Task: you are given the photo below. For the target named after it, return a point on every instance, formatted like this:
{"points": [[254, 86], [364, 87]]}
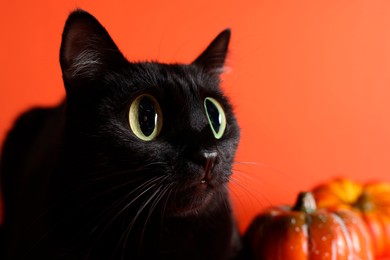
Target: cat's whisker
{"points": [[127, 232], [114, 188], [158, 199], [74, 192], [265, 165], [107, 212], [102, 219], [104, 176], [250, 163], [247, 176], [225, 199], [153, 206], [71, 195], [139, 211], [75, 210], [237, 181], [250, 193], [151, 183], [166, 202], [238, 199], [103, 173], [253, 178], [234, 193]]}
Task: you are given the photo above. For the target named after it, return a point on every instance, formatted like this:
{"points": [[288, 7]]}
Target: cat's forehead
{"points": [[175, 81]]}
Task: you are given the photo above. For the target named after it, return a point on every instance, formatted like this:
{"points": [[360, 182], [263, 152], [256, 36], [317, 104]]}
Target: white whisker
{"points": [[148, 185], [250, 193], [125, 235]]}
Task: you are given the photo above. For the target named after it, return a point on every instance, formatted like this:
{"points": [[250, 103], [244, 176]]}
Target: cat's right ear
{"points": [[213, 58], [86, 49]]}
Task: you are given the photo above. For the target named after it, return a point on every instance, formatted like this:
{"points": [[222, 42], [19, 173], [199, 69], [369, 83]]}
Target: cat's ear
{"points": [[86, 48], [213, 58]]}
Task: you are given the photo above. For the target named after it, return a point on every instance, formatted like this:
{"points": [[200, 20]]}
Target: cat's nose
{"points": [[207, 160]]}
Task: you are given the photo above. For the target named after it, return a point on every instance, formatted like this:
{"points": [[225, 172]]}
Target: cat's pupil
{"points": [[214, 115], [147, 116]]}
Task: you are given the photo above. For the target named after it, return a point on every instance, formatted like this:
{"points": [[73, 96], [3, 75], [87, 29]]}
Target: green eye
{"points": [[145, 117], [216, 116]]}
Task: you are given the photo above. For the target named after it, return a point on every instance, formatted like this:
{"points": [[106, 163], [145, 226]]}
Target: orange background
{"points": [[310, 79]]}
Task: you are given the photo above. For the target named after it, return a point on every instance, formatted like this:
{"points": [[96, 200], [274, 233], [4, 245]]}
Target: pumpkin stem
{"points": [[305, 203], [364, 202]]}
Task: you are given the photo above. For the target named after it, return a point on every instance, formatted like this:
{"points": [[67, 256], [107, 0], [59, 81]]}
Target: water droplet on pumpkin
{"points": [[322, 218], [297, 229], [293, 221], [317, 252], [323, 238]]}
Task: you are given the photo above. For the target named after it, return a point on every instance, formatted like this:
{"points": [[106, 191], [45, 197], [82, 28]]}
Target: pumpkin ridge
{"points": [[346, 233]]}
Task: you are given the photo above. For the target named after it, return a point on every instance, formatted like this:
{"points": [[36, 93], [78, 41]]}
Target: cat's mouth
{"points": [[195, 198], [194, 195]]}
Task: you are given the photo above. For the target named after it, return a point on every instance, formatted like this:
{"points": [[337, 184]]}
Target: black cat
{"points": [[134, 164]]}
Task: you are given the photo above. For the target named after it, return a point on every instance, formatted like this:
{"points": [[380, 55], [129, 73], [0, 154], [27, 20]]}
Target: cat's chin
{"points": [[195, 199]]}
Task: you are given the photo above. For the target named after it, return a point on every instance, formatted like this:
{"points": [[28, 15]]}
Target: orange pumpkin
{"points": [[371, 200], [303, 232]]}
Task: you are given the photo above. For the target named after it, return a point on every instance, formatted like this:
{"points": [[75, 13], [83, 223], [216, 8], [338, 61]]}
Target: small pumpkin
{"points": [[371, 201], [303, 232]]}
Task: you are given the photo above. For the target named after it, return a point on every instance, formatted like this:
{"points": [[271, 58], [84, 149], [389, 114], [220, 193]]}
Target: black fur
{"points": [[78, 184]]}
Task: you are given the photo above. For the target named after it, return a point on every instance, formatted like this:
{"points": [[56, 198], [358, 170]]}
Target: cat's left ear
{"points": [[87, 49], [213, 58]]}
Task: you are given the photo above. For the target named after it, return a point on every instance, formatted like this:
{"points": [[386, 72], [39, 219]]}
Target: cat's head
{"points": [[164, 131]]}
